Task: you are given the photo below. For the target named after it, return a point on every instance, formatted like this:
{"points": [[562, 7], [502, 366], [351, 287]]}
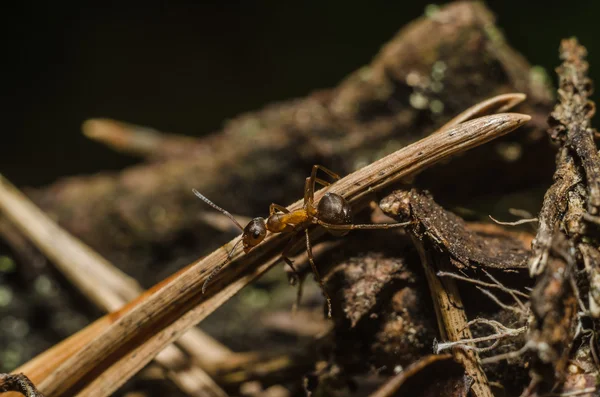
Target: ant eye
{"points": [[256, 234]]}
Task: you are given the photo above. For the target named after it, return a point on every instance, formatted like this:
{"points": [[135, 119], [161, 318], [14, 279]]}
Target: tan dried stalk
{"points": [[451, 316]]}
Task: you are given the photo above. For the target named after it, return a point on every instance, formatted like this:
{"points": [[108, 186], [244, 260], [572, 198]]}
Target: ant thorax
{"points": [[276, 223]]}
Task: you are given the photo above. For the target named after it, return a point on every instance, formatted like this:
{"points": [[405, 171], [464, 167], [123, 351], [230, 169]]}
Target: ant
{"points": [[333, 212]]}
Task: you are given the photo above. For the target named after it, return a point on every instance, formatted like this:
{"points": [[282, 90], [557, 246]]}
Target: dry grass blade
{"points": [[177, 306], [204, 349], [497, 104], [135, 360]]}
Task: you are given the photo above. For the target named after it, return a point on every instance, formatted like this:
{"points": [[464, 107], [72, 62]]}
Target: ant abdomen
{"points": [[334, 209]]}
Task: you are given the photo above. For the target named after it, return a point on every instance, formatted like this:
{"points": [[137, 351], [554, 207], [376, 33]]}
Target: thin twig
{"points": [[391, 387], [179, 305], [510, 291], [463, 343], [515, 223], [482, 283], [588, 390], [500, 303], [506, 356]]}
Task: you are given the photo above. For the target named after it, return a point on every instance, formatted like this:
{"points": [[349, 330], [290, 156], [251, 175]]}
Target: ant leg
{"points": [[290, 263], [316, 272], [298, 296], [273, 208], [297, 277], [285, 254], [317, 167], [322, 182], [310, 189], [309, 193], [369, 226]]}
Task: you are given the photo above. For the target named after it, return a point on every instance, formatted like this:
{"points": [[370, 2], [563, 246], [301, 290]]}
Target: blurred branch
{"points": [[140, 141], [107, 287]]}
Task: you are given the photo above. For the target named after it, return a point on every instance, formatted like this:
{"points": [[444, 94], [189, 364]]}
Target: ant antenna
{"points": [[227, 214], [233, 249], [218, 268], [221, 210]]}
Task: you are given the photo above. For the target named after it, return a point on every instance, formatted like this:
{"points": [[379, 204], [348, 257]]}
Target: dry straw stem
{"points": [[107, 287], [451, 316], [497, 104], [176, 307]]}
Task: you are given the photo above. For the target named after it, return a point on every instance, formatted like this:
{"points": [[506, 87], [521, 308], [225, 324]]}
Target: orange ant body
{"points": [[332, 212]]}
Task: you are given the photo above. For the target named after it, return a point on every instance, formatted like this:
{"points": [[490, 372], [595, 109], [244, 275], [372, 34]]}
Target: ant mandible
{"points": [[333, 212]]}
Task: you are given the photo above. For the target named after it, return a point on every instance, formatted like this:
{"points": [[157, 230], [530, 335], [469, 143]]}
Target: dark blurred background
{"points": [[185, 68]]}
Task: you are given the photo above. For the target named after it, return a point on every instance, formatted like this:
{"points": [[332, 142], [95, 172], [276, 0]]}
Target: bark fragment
{"points": [[18, 383], [566, 241], [577, 162], [554, 309], [450, 233]]}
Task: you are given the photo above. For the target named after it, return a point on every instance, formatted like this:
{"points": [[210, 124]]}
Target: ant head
{"points": [[254, 233], [333, 208]]}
